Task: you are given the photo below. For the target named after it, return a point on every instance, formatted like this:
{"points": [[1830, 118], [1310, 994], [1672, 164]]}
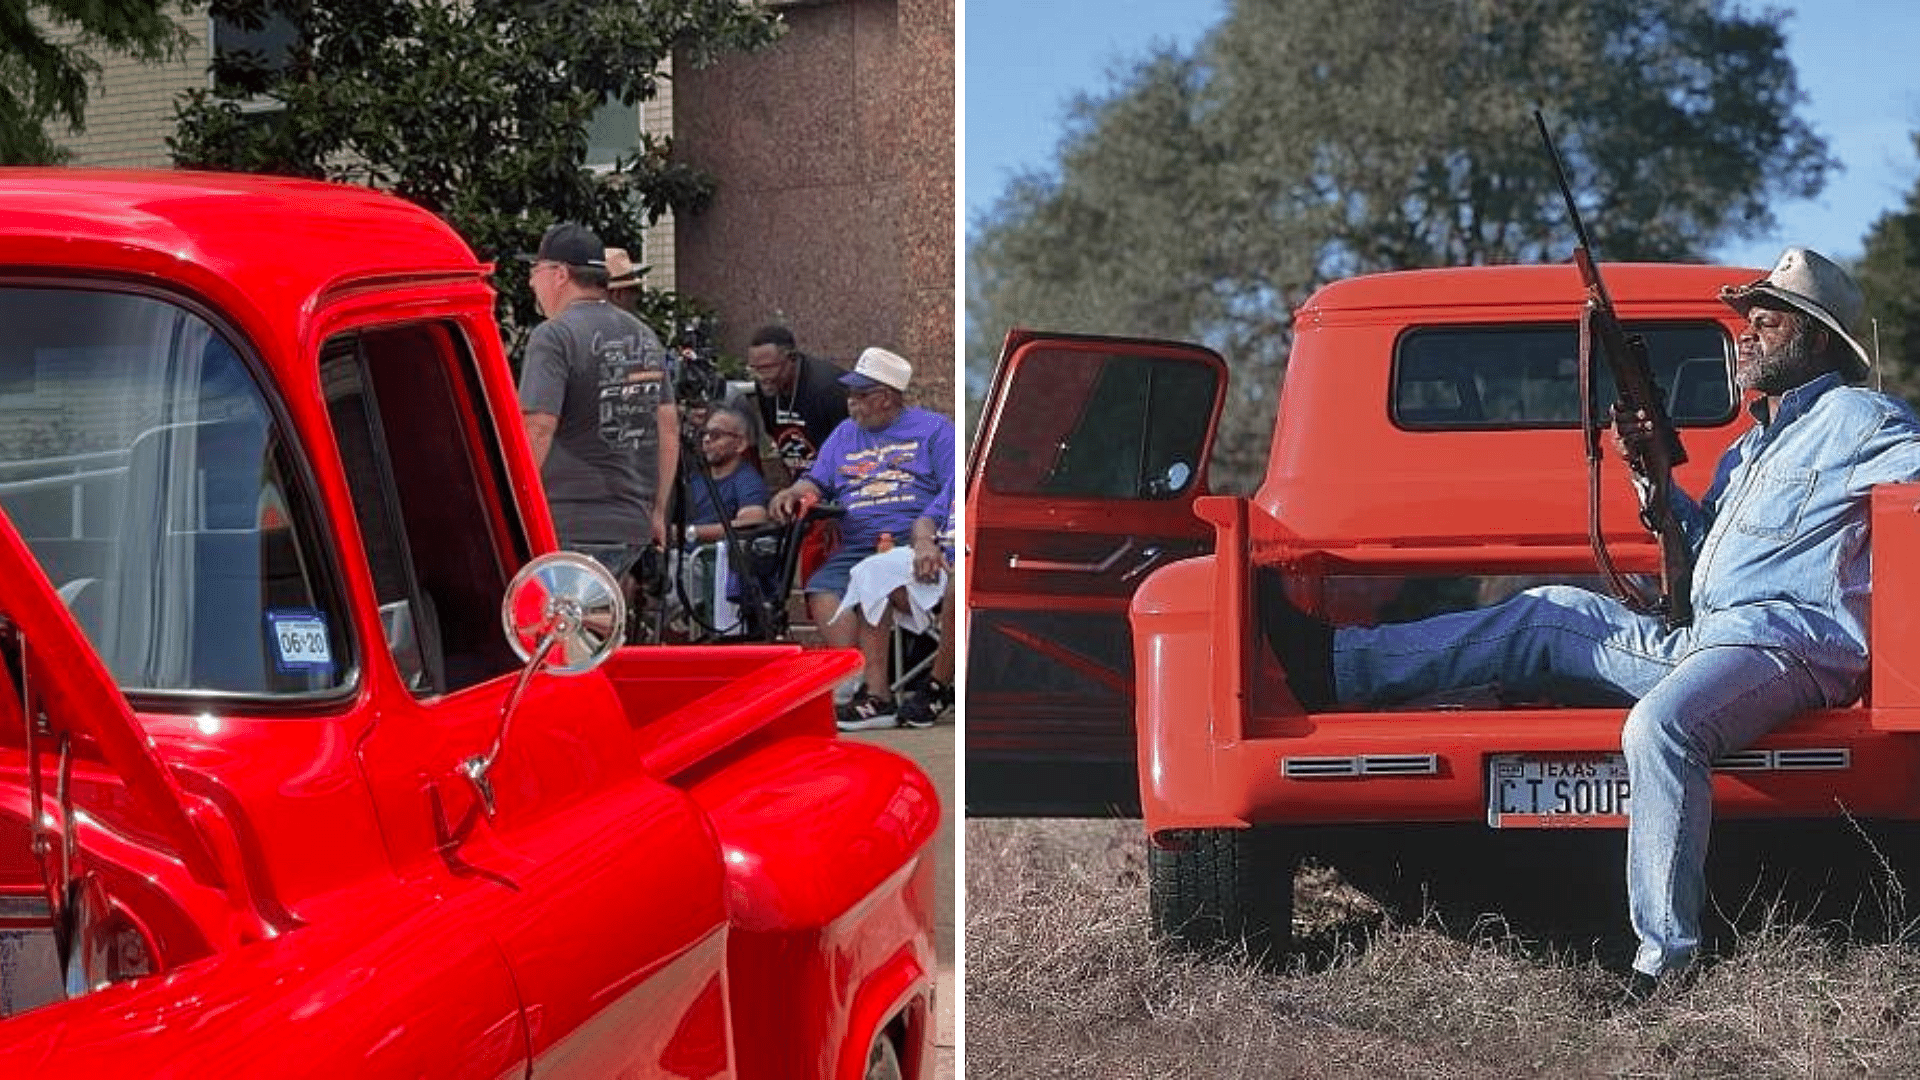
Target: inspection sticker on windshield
{"points": [[1557, 791], [299, 639]]}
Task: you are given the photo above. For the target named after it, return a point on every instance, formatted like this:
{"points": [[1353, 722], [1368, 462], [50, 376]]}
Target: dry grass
{"points": [[1063, 982]]}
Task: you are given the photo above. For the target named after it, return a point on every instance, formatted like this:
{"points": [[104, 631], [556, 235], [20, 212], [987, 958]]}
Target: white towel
{"points": [[873, 580]]}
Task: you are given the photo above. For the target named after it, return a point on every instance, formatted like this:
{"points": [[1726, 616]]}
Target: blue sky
{"points": [[1025, 59]]}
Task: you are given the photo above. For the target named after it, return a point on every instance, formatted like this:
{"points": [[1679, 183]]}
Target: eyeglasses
{"points": [[717, 433]]}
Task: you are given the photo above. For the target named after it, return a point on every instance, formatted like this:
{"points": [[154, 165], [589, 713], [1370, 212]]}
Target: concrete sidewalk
{"points": [[932, 749]]}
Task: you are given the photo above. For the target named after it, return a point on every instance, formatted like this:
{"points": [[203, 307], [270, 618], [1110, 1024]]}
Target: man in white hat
{"points": [[1780, 590], [885, 464]]}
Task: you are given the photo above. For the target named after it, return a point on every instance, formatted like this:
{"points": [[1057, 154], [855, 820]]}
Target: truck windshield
{"points": [[139, 460]]}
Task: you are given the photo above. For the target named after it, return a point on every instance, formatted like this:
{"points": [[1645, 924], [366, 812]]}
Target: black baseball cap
{"points": [[572, 244]]}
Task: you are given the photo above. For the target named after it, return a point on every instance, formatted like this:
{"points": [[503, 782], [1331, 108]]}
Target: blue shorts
{"points": [[833, 574]]}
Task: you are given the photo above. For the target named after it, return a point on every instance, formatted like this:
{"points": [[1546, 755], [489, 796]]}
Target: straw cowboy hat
{"points": [[621, 273], [1812, 283]]}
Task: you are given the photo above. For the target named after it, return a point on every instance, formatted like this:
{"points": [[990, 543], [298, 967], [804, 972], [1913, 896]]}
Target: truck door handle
{"points": [[1149, 558], [1018, 562]]}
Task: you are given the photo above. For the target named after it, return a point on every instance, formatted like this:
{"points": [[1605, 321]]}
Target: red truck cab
{"points": [[1427, 455], [293, 780]]}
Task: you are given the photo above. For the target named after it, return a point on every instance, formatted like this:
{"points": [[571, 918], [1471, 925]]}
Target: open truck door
{"points": [[1089, 456]]}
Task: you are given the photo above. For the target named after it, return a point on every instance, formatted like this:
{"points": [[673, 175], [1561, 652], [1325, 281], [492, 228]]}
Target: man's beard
{"points": [[1783, 369]]}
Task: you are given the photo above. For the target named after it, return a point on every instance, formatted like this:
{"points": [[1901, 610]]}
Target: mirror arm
{"points": [[476, 768], [581, 614], [63, 794], [39, 840]]}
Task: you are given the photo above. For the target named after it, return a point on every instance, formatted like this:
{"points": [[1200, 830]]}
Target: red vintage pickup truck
{"points": [[1427, 455], [313, 764]]}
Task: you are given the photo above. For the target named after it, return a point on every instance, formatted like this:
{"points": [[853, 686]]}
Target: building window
{"points": [[246, 59], [614, 132]]}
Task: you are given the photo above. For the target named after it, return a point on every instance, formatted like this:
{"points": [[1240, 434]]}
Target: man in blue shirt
{"points": [[885, 464], [1780, 587], [723, 491], [740, 492]]}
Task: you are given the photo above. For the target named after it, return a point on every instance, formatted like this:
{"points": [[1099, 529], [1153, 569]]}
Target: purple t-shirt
{"points": [[885, 478], [940, 508]]}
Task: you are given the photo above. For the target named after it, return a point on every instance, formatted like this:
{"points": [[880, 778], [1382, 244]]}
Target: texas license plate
{"points": [[1557, 791]]}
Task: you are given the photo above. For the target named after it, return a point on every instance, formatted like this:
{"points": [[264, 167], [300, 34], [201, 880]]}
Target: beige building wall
{"points": [[130, 106], [657, 247], [835, 209]]}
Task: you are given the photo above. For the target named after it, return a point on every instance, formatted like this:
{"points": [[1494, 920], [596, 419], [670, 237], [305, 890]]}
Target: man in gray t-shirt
{"points": [[596, 398]]}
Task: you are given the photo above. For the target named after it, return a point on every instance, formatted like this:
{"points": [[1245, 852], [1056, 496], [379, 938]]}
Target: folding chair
{"points": [[761, 564], [912, 656]]}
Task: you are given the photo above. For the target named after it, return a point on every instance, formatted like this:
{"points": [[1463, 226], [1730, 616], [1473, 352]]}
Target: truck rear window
{"points": [[140, 461], [1528, 376]]}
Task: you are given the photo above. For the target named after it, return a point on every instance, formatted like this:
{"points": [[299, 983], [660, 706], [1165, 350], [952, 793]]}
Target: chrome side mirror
{"points": [[1169, 483], [563, 612], [571, 599]]}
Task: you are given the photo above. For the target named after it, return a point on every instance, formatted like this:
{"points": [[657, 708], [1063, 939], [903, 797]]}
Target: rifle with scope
{"points": [[1652, 460]]}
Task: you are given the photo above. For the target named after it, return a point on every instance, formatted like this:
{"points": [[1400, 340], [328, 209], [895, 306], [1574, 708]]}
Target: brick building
{"points": [[835, 156]]}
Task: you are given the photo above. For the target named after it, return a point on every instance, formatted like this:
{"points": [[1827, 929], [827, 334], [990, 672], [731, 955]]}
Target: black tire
{"points": [[1210, 890], [883, 1062]]}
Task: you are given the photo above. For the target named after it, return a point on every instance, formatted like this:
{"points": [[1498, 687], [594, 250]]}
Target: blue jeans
{"points": [[617, 558], [1694, 705]]}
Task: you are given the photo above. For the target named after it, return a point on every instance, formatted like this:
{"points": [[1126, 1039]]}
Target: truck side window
{"points": [[425, 475], [1080, 424], [144, 466], [1528, 377]]}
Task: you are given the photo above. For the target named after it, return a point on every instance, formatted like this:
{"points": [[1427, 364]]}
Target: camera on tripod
{"points": [[697, 380]]}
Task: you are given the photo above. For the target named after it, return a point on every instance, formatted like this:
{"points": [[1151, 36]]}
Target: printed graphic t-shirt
{"points": [[603, 373], [885, 478], [799, 423]]}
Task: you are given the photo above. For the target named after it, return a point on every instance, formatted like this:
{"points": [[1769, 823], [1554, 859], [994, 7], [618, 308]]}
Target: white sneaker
{"points": [[848, 689]]}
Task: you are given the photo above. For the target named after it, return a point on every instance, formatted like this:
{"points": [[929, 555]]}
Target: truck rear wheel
{"points": [[1212, 889]]}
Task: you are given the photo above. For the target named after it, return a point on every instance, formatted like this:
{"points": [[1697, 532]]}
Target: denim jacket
{"points": [[1780, 539]]}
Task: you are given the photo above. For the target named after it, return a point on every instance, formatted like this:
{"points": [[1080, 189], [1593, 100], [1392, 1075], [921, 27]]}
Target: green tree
{"points": [[47, 59], [478, 111], [1209, 193], [1889, 272]]}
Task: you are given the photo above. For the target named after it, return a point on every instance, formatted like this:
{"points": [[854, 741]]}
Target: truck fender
{"points": [[1175, 711]]}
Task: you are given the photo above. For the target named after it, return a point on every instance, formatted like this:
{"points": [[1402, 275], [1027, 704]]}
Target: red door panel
{"points": [[1090, 455]]}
